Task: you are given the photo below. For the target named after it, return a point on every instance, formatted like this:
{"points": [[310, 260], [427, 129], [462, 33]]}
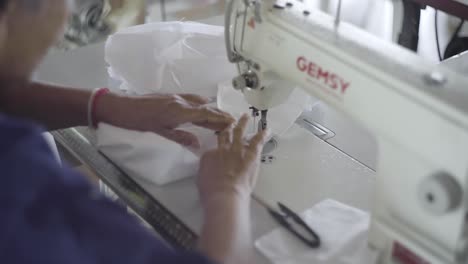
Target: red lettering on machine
{"points": [[326, 77]]}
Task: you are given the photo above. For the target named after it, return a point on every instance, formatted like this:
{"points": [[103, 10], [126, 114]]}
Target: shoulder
{"points": [[27, 164], [17, 134], [23, 149], [49, 207]]}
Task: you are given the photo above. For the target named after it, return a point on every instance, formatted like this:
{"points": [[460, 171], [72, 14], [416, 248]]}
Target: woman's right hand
{"points": [[231, 170], [226, 180]]}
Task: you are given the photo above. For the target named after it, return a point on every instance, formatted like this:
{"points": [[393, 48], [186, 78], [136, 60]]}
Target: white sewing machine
{"points": [[418, 112]]}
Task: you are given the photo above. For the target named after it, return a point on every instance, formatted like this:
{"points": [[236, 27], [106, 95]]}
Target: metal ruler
{"points": [[78, 142]]}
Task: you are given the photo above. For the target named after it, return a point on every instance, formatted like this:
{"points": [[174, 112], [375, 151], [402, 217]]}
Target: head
{"points": [[27, 29]]}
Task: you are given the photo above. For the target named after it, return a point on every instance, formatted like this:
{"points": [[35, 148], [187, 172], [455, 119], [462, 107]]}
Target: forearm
{"points": [[226, 233], [53, 106]]}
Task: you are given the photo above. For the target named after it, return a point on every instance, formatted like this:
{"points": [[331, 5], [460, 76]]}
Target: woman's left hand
{"points": [[162, 114]]}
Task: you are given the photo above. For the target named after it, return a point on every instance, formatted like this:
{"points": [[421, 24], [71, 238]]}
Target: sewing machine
{"points": [[418, 112]]}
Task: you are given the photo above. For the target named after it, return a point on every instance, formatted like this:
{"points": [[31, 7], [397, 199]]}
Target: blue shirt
{"points": [[51, 215]]}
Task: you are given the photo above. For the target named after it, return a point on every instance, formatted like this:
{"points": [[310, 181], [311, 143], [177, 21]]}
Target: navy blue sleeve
{"points": [[51, 215]]}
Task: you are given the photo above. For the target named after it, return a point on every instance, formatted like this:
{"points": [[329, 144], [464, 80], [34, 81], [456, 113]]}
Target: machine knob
{"points": [[239, 83], [246, 80], [440, 193]]}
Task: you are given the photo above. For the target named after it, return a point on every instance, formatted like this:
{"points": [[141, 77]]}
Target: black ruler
{"points": [[78, 142]]}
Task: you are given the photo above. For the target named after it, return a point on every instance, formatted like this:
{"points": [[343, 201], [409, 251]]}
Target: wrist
{"points": [[226, 200], [107, 108]]}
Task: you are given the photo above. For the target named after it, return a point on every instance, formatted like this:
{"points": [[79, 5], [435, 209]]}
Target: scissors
{"points": [[284, 217]]}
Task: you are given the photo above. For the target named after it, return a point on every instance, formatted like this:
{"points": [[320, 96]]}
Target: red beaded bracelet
{"points": [[92, 103]]}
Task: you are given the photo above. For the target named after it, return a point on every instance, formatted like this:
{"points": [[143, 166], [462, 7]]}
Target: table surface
{"points": [[307, 169]]}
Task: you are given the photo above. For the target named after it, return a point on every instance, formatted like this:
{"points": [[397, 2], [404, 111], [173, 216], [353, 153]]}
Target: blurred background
{"points": [[92, 20]]}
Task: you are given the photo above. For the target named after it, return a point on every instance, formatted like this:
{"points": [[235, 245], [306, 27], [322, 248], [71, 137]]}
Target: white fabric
{"points": [[146, 155], [172, 57], [343, 232], [169, 57]]}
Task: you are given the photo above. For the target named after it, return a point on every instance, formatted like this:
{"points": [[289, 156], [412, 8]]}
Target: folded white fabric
{"points": [[343, 232], [137, 155]]}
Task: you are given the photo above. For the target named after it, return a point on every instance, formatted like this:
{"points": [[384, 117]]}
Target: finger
{"points": [[239, 130], [229, 119], [182, 137], [209, 118], [196, 99], [257, 142], [218, 112], [224, 138]]}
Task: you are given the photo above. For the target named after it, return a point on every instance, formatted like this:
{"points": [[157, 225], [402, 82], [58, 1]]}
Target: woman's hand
{"points": [[232, 168], [226, 180], [162, 114]]}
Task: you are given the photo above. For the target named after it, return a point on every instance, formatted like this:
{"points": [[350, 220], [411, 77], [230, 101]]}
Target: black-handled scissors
{"points": [[286, 214]]}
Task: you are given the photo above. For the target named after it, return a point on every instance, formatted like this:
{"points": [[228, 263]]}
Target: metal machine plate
{"points": [[78, 142]]}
